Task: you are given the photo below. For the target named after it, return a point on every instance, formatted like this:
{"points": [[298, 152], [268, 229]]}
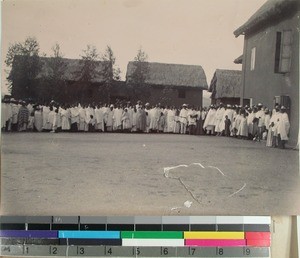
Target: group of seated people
{"points": [[254, 123]]}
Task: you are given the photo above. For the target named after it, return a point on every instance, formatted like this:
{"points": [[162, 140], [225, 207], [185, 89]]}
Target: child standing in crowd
{"points": [[227, 126], [161, 123], [91, 124]]}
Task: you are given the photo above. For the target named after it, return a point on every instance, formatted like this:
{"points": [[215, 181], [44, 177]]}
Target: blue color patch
{"points": [[89, 234]]}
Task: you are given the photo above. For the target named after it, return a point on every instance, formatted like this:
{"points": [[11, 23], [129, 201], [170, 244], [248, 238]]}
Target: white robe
{"points": [[283, 126], [218, 120], [210, 118], [171, 120], [99, 116]]}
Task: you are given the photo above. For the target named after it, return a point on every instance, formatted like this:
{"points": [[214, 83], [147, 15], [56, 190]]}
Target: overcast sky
{"points": [[197, 32]]}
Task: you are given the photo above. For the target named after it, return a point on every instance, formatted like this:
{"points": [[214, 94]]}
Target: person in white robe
{"points": [[183, 117], [51, 117], [154, 116], [272, 140], [125, 121], [243, 128], [117, 126], [251, 116], [74, 111], [219, 120], [171, 120], [99, 116], [110, 119], [45, 112], [209, 123], [15, 111], [82, 115], [65, 119], [283, 128], [134, 120], [260, 115], [38, 119]]}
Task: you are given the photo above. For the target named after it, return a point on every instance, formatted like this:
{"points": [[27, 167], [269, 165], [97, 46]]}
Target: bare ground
{"points": [[123, 174]]}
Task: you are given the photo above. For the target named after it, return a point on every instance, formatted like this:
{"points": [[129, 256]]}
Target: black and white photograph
{"points": [[140, 107]]}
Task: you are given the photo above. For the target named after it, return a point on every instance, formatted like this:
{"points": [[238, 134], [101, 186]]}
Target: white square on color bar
{"points": [[257, 220], [230, 220]]}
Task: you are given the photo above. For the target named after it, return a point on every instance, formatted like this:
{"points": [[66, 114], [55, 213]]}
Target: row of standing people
{"points": [[20, 116], [254, 123]]}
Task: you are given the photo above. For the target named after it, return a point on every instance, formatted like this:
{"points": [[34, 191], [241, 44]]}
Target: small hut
{"points": [[225, 87], [170, 84]]}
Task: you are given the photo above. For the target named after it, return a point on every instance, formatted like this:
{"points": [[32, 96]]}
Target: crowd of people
{"points": [[253, 123]]}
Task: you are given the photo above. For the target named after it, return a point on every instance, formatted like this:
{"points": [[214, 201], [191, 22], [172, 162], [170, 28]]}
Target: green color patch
{"points": [[153, 234]]}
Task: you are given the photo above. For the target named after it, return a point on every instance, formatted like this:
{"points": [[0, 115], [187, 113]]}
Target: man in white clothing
{"points": [[183, 115], [283, 128]]}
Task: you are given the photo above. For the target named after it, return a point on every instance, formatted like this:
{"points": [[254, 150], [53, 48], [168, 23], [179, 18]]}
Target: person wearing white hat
{"points": [[283, 128], [183, 115], [260, 115]]}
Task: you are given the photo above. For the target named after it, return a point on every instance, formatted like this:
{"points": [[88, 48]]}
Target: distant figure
{"points": [[23, 117], [283, 128], [183, 115], [227, 126]]}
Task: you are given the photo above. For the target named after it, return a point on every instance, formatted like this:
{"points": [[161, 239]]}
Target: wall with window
{"points": [[271, 67], [176, 96]]}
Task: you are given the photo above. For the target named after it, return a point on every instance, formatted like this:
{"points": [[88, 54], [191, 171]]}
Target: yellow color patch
{"points": [[213, 235]]}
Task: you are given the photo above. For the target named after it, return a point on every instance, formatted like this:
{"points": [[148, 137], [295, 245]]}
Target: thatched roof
{"points": [[170, 74], [226, 84], [271, 10], [238, 60], [71, 68]]}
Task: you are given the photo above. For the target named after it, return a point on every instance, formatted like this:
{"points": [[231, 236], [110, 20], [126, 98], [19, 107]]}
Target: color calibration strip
{"points": [[170, 236]]}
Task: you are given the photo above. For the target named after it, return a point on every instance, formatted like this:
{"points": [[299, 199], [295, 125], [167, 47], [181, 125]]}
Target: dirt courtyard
{"points": [[134, 174]]}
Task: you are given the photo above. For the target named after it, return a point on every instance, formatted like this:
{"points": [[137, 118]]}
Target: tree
{"points": [[88, 71], [54, 86], [137, 81], [141, 56], [111, 71], [23, 62]]}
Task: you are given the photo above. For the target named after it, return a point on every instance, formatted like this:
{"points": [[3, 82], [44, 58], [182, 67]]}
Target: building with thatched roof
{"points": [[271, 58], [63, 79], [225, 87], [169, 84]]}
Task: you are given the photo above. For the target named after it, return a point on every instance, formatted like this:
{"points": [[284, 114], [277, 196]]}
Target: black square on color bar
{"points": [[230, 227], [257, 227], [124, 227], [148, 227], [203, 227], [12, 226], [64, 226], [85, 241], [38, 226], [175, 227], [92, 227]]}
